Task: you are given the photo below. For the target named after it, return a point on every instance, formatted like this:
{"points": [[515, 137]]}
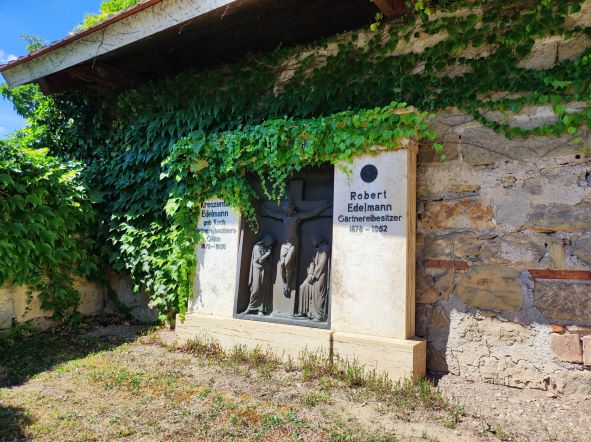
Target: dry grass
{"points": [[407, 395], [72, 386]]}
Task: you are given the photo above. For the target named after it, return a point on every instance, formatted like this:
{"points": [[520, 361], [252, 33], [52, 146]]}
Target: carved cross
{"points": [[295, 193]]}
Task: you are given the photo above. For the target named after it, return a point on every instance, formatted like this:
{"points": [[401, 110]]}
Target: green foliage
{"points": [[33, 42], [46, 219], [203, 165], [50, 120], [154, 153], [107, 9]]}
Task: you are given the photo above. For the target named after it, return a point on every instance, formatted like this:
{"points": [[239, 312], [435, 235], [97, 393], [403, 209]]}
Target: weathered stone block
{"points": [[483, 146], [43, 323], [579, 330], [523, 373], [462, 187], [512, 211], [542, 55], [508, 332], [6, 308], [467, 213], [424, 292], [436, 360], [137, 302], [520, 249], [457, 70], [471, 52], [573, 47], [557, 253], [567, 347], [18, 303], [574, 382], [451, 149], [548, 50], [144, 315], [27, 307], [508, 181], [504, 371], [565, 300], [491, 287], [422, 318], [123, 286], [92, 297], [534, 186], [418, 43], [454, 245], [556, 217], [492, 331], [581, 18], [444, 281], [438, 328], [450, 119], [528, 117], [437, 182], [582, 248], [448, 125], [587, 350], [584, 179]]}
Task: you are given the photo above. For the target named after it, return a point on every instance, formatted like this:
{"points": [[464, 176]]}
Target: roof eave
{"points": [[141, 21]]}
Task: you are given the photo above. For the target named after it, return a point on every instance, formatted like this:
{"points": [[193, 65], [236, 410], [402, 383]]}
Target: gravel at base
{"points": [[532, 415]]}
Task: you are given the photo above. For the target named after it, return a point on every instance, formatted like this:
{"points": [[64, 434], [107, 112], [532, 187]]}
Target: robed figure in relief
{"points": [[259, 277], [313, 302], [290, 221]]}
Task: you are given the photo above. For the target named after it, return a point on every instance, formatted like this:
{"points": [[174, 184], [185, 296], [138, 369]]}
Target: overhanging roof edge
{"points": [[141, 21]]}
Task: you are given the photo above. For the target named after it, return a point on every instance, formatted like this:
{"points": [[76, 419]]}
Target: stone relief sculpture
{"points": [[285, 266], [291, 220], [259, 278], [313, 301]]}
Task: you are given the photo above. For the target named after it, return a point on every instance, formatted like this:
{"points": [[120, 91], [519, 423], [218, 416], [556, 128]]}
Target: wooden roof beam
{"points": [[98, 76], [391, 8], [105, 75]]}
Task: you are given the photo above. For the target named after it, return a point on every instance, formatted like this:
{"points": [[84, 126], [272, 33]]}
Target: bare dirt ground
{"points": [[104, 383], [527, 414]]}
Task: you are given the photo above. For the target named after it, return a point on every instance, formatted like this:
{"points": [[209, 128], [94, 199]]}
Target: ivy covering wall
{"points": [[153, 154], [46, 219]]}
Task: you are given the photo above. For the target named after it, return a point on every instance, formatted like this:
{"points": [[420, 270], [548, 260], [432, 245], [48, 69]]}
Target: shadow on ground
{"points": [[13, 422], [23, 354]]}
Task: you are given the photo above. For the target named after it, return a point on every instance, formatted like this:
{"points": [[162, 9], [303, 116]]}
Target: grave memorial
{"points": [[503, 238], [330, 267]]}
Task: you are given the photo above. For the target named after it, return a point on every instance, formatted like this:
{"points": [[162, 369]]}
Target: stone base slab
{"points": [[397, 357], [283, 340], [400, 358]]}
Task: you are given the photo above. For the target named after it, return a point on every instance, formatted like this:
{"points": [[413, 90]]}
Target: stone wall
{"points": [[503, 286], [504, 255], [17, 306]]}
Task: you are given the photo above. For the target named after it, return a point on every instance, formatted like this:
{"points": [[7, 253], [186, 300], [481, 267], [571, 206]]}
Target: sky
{"points": [[48, 19]]}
